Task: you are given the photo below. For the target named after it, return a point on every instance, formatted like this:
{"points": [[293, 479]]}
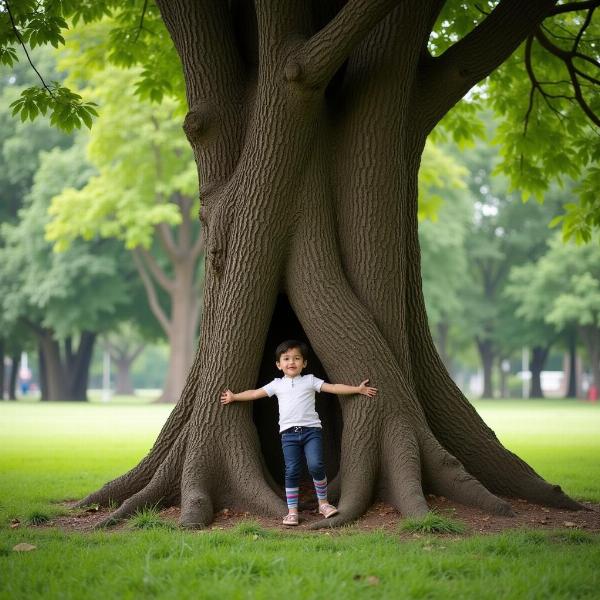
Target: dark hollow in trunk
{"points": [[308, 168]]}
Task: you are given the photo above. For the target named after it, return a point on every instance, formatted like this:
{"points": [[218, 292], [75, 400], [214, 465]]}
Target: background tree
{"points": [[564, 287], [142, 194], [442, 238], [20, 148], [63, 300], [272, 88]]}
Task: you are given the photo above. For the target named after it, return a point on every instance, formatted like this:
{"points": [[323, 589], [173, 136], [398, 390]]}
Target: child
{"points": [[299, 423]]}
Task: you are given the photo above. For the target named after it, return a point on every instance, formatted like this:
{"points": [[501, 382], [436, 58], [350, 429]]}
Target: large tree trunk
{"points": [[310, 196], [538, 360]]}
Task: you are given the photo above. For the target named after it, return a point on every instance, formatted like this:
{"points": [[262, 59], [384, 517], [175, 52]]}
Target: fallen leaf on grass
{"points": [[24, 547]]}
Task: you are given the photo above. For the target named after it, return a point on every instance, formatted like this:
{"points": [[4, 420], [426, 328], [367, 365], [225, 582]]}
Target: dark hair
{"points": [[288, 345]]}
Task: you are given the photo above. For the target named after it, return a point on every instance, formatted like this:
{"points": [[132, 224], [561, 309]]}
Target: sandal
{"points": [[290, 519], [327, 510]]}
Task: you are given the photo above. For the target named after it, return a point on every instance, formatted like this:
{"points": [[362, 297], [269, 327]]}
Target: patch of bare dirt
{"points": [[379, 517]]}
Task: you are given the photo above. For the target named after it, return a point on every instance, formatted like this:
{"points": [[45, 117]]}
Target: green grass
{"points": [[149, 518], [432, 523], [217, 564], [49, 452]]}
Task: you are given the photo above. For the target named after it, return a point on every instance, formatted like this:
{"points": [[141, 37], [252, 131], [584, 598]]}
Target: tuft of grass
{"points": [[251, 528], [574, 536], [432, 522], [37, 517], [149, 518]]}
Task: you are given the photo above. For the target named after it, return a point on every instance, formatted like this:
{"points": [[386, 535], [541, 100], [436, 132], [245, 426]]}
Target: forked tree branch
{"points": [[445, 80], [167, 241], [567, 57], [322, 55], [159, 275], [151, 293], [573, 6]]}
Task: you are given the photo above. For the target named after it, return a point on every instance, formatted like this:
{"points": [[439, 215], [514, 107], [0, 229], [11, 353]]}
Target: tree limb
{"points": [[167, 241], [159, 275], [445, 80], [151, 293], [573, 6], [567, 57], [322, 55]]}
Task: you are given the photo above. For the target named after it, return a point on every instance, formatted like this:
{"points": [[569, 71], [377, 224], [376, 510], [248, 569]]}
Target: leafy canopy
{"points": [[546, 93]]}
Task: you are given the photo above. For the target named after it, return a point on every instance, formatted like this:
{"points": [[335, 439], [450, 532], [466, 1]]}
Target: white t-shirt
{"points": [[296, 398]]}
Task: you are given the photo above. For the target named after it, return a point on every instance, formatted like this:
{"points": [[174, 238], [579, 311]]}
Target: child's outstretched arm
{"points": [[346, 390], [228, 396]]}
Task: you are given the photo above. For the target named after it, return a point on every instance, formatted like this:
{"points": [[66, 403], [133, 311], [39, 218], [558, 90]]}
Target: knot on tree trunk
{"points": [[198, 120]]}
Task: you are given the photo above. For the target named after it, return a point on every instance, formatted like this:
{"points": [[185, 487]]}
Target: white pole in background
{"points": [[106, 392]]}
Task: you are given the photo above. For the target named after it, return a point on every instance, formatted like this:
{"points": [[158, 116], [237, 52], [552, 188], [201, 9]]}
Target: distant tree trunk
{"points": [[42, 373], [124, 356], [14, 375], [2, 370], [538, 360], [572, 383], [591, 338], [77, 366], [487, 355], [64, 374], [308, 128], [504, 393], [180, 323]]}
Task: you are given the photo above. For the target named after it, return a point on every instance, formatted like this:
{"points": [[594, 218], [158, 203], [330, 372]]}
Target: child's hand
{"points": [[227, 397], [365, 390]]}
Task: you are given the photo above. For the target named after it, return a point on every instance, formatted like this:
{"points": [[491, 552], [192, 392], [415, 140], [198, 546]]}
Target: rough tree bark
{"points": [[308, 126]]}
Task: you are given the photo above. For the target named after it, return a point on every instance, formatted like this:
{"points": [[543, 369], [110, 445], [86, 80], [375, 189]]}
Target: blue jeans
{"points": [[297, 441]]}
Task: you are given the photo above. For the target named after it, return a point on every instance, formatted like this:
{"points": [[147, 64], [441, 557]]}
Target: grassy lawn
{"points": [[55, 451]]}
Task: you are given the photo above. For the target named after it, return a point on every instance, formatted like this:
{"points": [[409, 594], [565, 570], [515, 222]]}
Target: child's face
{"points": [[291, 362]]}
